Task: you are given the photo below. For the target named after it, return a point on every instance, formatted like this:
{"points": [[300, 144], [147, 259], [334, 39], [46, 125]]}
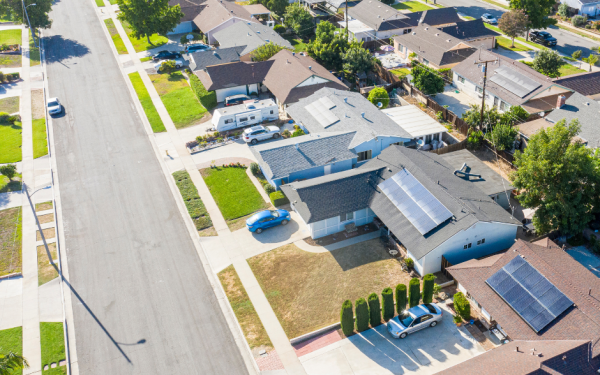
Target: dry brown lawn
{"points": [[43, 206], [46, 218], [46, 270], [244, 310], [48, 234], [488, 157], [10, 241], [306, 290], [37, 104], [208, 232]]}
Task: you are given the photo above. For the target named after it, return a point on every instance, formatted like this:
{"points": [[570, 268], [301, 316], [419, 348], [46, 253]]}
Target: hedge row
{"points": [[278, 198], [428, 283], [192, 200], [208, 99], [414, 292]]}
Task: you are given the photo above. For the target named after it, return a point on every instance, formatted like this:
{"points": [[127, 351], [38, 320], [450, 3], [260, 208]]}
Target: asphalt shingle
{"points": [[586, 111], [249, 34], [215, 57]]}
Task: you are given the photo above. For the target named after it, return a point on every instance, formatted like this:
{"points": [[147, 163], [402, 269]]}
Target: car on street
{"points": [[267, 219], [235, 99], [543, 37], [54, 106], [166, 55], [414, 319], [196, 48], [488, 18], [260, 133], [178, 63]]}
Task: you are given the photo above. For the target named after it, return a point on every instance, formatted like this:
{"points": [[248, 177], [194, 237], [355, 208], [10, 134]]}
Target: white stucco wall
{"points": [[470, 89], [333, 225]]}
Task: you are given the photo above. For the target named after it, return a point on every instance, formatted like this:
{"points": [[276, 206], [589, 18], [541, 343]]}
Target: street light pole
{"points": [[29, 22]]}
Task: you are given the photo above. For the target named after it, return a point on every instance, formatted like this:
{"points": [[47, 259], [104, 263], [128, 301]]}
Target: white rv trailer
{"points": [[251, 112]]}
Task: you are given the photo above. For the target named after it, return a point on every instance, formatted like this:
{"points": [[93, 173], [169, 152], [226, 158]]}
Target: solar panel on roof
{"points": [[320, 110], [416, 203], [328, 103], [537, 301], [514, 81]]}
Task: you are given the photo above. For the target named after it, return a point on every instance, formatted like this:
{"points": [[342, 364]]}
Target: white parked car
{"points": [[54, 106], [414, 319], [486, 17], [260, 133], [178, 64]]}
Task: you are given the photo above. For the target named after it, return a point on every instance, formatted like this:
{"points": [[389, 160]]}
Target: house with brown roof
{"points": [[587, 83], [472, 32], [190, 9], [234, 78]]}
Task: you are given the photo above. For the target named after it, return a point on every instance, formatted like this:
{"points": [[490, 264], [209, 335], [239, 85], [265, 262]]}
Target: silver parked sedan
{"points": [[414, 319]]}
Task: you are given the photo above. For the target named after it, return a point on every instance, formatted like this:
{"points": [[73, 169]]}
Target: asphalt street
{"points": [[142, 303], [567, 42]]}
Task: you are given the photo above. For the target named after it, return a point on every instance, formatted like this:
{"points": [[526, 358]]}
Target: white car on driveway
{"points": [[54, 106], [414, 319], [178, 63], [260, 133]]}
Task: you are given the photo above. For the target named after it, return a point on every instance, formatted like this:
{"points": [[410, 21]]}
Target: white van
{"points": [[251, 112]]}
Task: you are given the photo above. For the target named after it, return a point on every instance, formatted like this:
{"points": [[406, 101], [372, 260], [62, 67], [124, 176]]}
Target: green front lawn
{"points": [[10, 105], [506, 44], [10, 241], [11, 340], [192, 200], [10, 142], [7, 185], [149, 108], [413, 6], [12, 36], [522, 40], [142, 44], [565, 70], [40, 140], [400, 72], [116, 38], [144, 59], [177, 96], [233, 191], [99, 3], [53, 346]]}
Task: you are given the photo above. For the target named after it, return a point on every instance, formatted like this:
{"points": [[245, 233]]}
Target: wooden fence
{"points": [[451, 148]]}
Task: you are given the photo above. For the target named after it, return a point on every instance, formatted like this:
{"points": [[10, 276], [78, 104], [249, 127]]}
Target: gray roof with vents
{"points": [[587, 111], [249, 34], [200, 60]]}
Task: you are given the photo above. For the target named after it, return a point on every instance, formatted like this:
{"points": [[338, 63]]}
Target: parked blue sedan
{"points": [[266, 219]]}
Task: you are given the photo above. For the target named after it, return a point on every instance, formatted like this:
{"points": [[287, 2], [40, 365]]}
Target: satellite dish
{"points": [[379, 105], [189, 37]]}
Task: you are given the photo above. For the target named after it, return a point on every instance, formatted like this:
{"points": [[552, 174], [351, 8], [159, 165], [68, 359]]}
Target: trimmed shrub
{"points": [[414, 292], [347, 318], [374, 310], [278, 198], [400, 298], [298, 133], [409, 262], [13, 119], [168, 66], [255, 169], [279, 29], [387, 300], [269, 189], [428, 288], [2, 78], [4, 117], [362, 315], [462, 306], [579, 21], [207, 99]]}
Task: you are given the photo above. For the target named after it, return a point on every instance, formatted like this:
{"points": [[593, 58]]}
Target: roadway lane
{"points": [[142, 303], [567, 42]]}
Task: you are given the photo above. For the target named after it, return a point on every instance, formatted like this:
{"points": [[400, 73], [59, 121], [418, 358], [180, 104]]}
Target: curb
{"points": [[312, 334], [16, 274]]}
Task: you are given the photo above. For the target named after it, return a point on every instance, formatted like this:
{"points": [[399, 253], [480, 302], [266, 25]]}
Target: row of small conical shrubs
{"points": [[370, 311]]}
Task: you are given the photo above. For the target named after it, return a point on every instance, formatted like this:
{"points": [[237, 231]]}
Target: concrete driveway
{"points": [[458, 103], [376, 352]]}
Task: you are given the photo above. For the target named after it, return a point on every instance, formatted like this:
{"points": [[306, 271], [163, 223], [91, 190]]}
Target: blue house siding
{"points": [[312, 172], [376, 146]]}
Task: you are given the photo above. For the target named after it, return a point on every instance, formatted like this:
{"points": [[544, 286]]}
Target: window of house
{"points": [[460, 79], [467, 246], [481, 241], [242, 119], [398, 143], [364, 155], [400, 48], [271, 112], [428, 139], [229, 121], [504, 106], [479, 89], [252, 117], [425, 61], [346, 217]]}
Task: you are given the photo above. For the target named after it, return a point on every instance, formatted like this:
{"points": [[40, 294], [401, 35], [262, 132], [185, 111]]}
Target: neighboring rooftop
{"points": [[414, 121], [233, 74], [345, 114], [282, 158], [467, 30], [249, 34], [531, 127], [190, 8], [587, 84], [215, 12], [587, 111], [200, 60], [382, 17]]}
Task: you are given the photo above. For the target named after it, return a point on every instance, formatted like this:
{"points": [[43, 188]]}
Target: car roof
{"points": [[262, 215], [258, 127], [419, 310]]}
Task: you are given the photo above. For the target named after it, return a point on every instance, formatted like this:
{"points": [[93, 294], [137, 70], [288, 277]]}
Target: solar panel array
{"points": [[537, 301], [514, 81], [417, 204], [320, 110]]}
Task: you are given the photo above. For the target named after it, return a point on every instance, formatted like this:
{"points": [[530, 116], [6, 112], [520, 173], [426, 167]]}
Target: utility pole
{"points": [[347, 20], [479, 62]]}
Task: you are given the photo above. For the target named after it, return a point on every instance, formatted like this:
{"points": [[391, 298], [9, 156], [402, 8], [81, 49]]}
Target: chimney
{"points": [[560, 101]]}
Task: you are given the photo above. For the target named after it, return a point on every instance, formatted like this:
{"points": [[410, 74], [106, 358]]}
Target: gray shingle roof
{"points": [[587, 111], [215, 57], [249, 34], [280, 159], [382, 17], [375, 123], [233, 74], [469, 30]]}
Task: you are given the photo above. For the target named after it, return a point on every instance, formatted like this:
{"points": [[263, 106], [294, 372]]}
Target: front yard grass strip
{"points": [[244, 311], [141, 45], [497, 4], [46, 271], [144, 59], [208, 99], [10, 105], [569, 69], [48, 234], [11, 340], [11, 61], [11, 36], [10, 142], [413, 6], [99, 3], [149, 108], [579, 33], [506, 44], [192, 200], [53, 344], [233, 191], [40, 140], [116, 38], [306, 290], [10, 241], [177, 96], [34, 52], [43, 206], [7, 185]]}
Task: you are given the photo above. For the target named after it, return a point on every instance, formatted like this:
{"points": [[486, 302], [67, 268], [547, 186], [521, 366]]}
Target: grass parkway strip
{"points": [[141, 45], [10, 142], [40, 140], [10, 241], [11, 340], [116, 38], [149, 108], [192, 200], [53, 347]]}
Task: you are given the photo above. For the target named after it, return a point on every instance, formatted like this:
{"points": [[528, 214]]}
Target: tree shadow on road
{"points": [[57, 49]]}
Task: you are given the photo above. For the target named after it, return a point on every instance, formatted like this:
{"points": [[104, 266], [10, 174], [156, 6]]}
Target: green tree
{"points": [[38, 13], [357, 59], [400, 298], [12, 361], [502, 136], [513, 24], [591, 59], [379, 95], [299, 19], [428, 282], [414, 292], [347, 318], [277, 6], [577, 54], [427, 80], [374, 310], [548, 62], [462, 306], [149, 17], [563, 10], [327, 47], [389, 2], [515, 115], [168, 66], [362, 315], [537, 12], [387, 299], [266, 51], [558, 177], [9, 170], [491, 116]]}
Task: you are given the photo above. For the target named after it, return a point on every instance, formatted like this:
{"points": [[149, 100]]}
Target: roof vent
{"points": [[346, 100], [427, 28], [310, 68], [448, 41], [296, 145], [587, 103], [362, 114], [267, 40], [288, 61], [215, 53], [378, 16], [414, 33], [293, 53], [249, 34], [232, 12], [437, 34]]}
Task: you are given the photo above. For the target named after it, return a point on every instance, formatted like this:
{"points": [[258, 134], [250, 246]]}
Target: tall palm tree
{"points": [[12, 361]]}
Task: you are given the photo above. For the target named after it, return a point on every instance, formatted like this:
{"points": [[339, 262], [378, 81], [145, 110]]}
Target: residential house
{"points": [[234, 78], [473, 33], [418, 125], [470, 168], [201, 60], [251, 35], [590, 8], [587, 83], [190, 9], [509, 83], [433, 47], [437, 216], [535, 293], [372, 19], [218, 14], [318, 9], [336, 5]]}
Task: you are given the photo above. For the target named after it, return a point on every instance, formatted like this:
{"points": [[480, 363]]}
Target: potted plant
{"points": [[457, 320], [436, 290]]}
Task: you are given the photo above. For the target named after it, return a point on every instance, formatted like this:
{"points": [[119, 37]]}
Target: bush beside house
{"points": [[462, 306], [414, 292], [207, 99], [362, 315], [347, 318], [428, 281], [400, 298], [278, 198]]}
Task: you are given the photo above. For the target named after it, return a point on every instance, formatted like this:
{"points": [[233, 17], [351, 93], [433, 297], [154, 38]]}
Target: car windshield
{"points": [[275, 213], [405, 318], [52, 104], [431, 308]]}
